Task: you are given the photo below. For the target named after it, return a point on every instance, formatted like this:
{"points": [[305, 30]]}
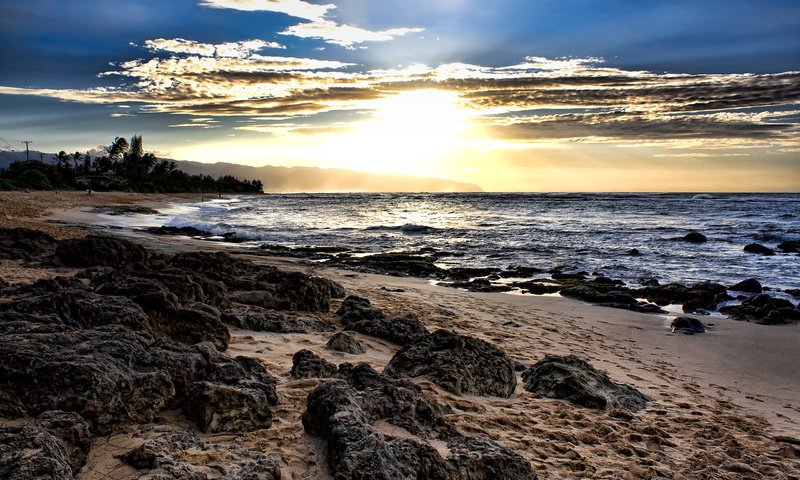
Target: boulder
{"points": [[694, 237], [764, 309], [217, 407], [25, 244], [572, 379], [307, 364], [261, 319], [344, 412], [759, 249], [688, 325], [346, 343], [460, 364], [536, 288], [790, 246], [750, 285], [634, 252], [179, 455], [359, 315], [193, 323], [53, 445], [99, 250]]}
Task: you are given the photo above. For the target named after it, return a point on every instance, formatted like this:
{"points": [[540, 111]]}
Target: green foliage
{"points": [[126, 166]]}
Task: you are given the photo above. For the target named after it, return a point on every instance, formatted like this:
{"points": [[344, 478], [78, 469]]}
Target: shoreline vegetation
{"points": [[129, 355], [125, 166]]}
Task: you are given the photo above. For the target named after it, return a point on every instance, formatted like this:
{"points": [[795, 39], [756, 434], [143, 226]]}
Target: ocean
{"points": [[590, 232]]}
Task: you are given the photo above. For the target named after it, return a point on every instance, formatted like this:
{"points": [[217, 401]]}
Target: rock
{"points": [[478, 285], [536, 288], [54, 445], [395, 263], [170, 230], [218, 408], [764, 309], [694, 237], [193, 323], [98, 250], [260, 319], [758, 248], [795, 292], [460, 364], [750, 285], [105, 374], [181, 455], [634, 252], [688, 325], [346, 343], [345, 411], [359, 315], [125, 210], [572, 379], [307, 364], [25, 244], [790, 246], [67, 301], [704, 295]]}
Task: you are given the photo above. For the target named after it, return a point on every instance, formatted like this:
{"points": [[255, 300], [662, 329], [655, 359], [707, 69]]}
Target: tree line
{"points": [[124, 166]]}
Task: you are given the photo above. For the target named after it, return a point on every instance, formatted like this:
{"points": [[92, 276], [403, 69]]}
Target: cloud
{"points": [[294, 8], [344, 35], [560, 100], [241, 49]]}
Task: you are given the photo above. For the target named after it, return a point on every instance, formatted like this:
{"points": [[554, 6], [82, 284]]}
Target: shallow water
{"points": [[591, 232]]}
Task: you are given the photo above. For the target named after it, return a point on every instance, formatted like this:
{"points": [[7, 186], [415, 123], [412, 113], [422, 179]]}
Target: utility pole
{"points": [[27, 148]]}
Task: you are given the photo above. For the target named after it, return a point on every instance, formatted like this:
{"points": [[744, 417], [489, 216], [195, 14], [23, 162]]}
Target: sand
{"points": [[727, 402]]}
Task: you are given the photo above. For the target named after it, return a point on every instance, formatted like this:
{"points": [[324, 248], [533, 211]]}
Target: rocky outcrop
{"points": [[345, 411], [53, 446], [217, 407], [307, 364], [790, 246], [99, 250], [751, 285], [359, 315], [460, 364], [700, 296], [260, 319], [179, 455], [694, 237], [759, 249], [25, 244], [345, 343], [687, 325], [572, 379], [765, 310]]}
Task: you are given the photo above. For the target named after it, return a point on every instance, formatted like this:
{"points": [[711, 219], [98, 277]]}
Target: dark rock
{"points": [[218, 407], [29, 452], [634, 252], [572, 379], [359, 315], [569, 276], [344, 342], [395, 263], [125, 210], [764, 309], [465, 273], [790, 246], [105, 374], [25, 244], [460, 364], [688, 325], [180, 455], [344, 413], [307, 364], [232, 237], [520, 271], [170, 230], [260, 319], [536, 288], [193, 323], [479, 285], [758, 248], [704, 295], [750, 285], [41, 447], [795, 292], [511, 324], [97, 250], [694, 237]]}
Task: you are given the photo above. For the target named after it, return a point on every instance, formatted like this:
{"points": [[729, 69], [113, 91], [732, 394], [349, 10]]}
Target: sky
{"points": [[513, 95]]}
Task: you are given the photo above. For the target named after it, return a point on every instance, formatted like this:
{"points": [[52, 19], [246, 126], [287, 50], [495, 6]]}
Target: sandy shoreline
{"points": [[720, 397]]}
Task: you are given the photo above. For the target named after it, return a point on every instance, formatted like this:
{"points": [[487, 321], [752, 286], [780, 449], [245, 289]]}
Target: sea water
{"points": [[590, 232]]}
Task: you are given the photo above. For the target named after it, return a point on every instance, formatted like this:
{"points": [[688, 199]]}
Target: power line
{"points": [[4, 141]]}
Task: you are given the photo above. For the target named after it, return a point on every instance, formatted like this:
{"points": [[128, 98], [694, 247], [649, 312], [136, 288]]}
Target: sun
{"points": [[410, 133]]}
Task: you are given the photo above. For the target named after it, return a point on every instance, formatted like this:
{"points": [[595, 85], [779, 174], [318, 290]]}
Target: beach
{"points": [[725, 403]]}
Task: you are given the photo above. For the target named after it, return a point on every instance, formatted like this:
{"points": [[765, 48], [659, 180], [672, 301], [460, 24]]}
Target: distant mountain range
{"points": [[299, 179]]}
